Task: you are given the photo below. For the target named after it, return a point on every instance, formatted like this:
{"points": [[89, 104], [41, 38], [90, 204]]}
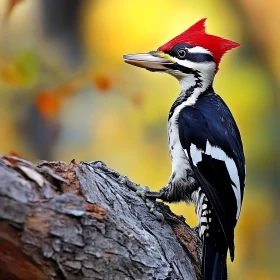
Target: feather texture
{"points": [[209, 135], [197, 36]]}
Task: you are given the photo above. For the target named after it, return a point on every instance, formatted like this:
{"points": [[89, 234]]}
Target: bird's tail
{"points": [[214, 265]]}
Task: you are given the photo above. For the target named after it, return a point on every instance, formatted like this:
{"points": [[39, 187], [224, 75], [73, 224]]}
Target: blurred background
{"points": [[66, 93]]}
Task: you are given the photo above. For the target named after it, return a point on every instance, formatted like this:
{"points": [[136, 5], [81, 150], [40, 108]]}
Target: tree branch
{"points": [[82, 221]]}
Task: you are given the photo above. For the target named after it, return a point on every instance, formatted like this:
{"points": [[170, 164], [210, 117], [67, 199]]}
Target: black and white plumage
{"points": [[208, 164]]}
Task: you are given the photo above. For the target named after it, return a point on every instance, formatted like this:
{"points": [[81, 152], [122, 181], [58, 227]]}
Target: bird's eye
{"points": [[182, 53]]}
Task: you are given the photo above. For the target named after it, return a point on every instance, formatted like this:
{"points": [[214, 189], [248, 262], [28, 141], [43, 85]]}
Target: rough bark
{"points": [[82, 221]]}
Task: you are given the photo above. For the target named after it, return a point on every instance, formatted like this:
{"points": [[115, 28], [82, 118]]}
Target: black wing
{"points": [[209, 135]]}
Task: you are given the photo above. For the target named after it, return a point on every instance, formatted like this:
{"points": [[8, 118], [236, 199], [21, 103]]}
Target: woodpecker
{"points": [[205, 146]]}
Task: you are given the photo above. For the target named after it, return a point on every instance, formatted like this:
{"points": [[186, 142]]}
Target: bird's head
{"points": [[192, 53]]}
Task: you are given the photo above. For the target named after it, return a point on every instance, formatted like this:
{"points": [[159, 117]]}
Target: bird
{"points": [[205, 145]]}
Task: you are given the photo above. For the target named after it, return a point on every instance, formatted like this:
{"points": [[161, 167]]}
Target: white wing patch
{"points": [[196, 154], [219, 154]]}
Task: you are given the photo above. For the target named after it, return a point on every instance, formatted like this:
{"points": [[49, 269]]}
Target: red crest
{"points": [[196, 36]]}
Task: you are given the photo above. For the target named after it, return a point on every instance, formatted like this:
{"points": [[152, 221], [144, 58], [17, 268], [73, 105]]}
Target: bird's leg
{"points": [[146, 193], [164, 194], [150, 202]]}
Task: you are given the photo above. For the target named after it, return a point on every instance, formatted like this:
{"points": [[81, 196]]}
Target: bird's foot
{"points": [[150, 200], [148, 197]]}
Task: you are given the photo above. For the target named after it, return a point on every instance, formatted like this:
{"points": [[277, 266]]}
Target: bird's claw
{"points": [[142, 193], [150, 203], [125, 181], [152, 208], [159, 216]]}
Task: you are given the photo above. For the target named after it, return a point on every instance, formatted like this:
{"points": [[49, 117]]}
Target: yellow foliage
{"points": [[22, 71], [10, 74]]}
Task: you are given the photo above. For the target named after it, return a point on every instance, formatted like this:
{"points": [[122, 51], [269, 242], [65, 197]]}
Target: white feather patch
{"points": [[201, 230], [199, 49], [196, 154], [219, 154], [203, 219]]}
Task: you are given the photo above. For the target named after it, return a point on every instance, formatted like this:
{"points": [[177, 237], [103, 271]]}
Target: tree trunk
{"points": [[84, 221]]}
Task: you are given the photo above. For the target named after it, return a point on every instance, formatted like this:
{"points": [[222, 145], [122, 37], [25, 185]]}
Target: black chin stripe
{"points": [[182, 68], [199, 57], [185, 95]]}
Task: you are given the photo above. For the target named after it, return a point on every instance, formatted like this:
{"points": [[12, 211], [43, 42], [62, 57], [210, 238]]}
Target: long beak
{"points": [[153, 61]]}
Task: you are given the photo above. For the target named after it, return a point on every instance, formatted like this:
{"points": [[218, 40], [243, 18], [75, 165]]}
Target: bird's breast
{"points": [[179, 159]]}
